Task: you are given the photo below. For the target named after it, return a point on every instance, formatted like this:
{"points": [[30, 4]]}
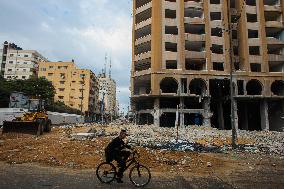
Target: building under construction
{"points": [[183, 52]]}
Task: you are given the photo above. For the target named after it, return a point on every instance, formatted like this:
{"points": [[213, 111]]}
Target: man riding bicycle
{"points": [[117, 150]]}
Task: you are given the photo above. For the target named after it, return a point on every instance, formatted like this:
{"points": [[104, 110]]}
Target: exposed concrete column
{"points": [[220, 115], [264, 115], [262, 34], [207, 115], [206, 5], [181, 113], [181, 40], [157, 112]]}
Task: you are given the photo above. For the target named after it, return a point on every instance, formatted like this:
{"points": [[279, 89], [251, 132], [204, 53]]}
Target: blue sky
{"points": [[83, 30]]}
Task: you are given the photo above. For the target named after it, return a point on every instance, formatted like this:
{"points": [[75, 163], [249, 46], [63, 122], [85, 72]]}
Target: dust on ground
{"points": [[58, 149]]}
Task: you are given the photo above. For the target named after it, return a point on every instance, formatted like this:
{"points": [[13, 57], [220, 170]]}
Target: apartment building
{"points": [[107, 95], [181, 63], [17, 63], [77, 88]]}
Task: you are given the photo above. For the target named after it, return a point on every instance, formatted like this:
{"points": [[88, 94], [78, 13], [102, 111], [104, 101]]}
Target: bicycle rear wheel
{"points": [[139, 175], [106, 172]]}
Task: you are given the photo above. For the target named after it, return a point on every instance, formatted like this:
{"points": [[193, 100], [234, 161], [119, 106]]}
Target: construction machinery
{"points": [[35, 121]]}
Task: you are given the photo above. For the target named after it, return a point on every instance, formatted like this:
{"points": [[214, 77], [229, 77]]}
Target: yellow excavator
{"points": [[35, 121]]}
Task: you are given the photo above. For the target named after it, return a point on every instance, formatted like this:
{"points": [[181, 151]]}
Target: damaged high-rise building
{"points": [[181, 63]]}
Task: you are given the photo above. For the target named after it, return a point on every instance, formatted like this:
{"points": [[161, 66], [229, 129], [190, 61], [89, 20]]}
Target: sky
{"points": [[83, 30]]}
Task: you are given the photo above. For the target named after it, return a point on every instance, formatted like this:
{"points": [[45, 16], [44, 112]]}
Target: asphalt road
{"points": [[28, 176], [31, 176]]}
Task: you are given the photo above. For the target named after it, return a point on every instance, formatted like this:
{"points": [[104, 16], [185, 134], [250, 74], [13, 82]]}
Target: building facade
{"points": [[107, 95], [77, 88], [17, 63], [182, 63]]}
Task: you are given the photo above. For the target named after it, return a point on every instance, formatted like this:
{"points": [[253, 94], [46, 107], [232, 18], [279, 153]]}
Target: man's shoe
{"points": [[118, 180]]}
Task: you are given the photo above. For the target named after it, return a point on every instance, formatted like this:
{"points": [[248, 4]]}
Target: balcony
{"points": [[142, 56], [170, 55], [196, 20], [171, 38], [272, 8], [251, 9], [194, 37], [217, 40], [217, 57], [195, 54], [143, 40], [193, 4], [275, 58], [253, 42], [216, 24], [274, 41], [253, 26], [255, 58], [170, 22], [143, 24], [144, 7], [215, 7], [274, 24]]}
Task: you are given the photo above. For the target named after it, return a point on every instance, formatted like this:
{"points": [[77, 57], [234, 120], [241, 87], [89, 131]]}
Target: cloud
{"points": [[69, 29]]}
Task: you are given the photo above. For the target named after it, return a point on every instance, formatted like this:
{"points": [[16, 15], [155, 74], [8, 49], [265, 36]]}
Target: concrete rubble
{"points": [[199, 139]]}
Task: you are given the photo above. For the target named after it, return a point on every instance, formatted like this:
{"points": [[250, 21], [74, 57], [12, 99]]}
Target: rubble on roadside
{"points": [[199, 139]]}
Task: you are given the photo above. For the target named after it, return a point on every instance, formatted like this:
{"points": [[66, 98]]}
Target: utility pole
{"points": [[82, 94], [232, 90]]}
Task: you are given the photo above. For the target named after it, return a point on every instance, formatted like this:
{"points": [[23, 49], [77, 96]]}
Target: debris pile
{"points": [[199, 139]]}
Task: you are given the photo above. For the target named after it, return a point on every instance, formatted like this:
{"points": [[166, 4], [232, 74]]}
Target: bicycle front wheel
{"points": [[106, 172], [139, 175]]}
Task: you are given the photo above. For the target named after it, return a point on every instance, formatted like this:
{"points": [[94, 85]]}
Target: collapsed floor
{"points": [[198, 104]]}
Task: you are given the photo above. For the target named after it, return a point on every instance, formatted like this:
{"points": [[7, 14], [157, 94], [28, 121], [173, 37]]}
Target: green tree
{"points": [[33, 87]]}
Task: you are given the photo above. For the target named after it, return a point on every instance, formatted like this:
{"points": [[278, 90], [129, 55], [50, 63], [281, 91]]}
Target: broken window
{"points": [[254, 87], [197, 87], [277, 88], [169, 85]]}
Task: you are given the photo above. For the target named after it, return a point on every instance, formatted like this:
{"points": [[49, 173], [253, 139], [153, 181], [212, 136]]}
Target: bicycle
{"points": [[139, 174]]}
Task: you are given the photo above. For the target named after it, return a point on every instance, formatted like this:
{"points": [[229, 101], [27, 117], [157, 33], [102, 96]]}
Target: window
{"points": [[62, 75], [23, 77], [61, 89], [9, 70], [62, 82], [43, 69], [11, 55], [59, 67], [24, 70], [25, 63], [26, 55], [50, 74], [61, 97], [215, 16], [11, 62], [218, 66], [50, 67]]}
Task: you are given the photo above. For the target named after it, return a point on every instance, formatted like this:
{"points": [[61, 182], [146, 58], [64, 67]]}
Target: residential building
{"points": [[77, 88], [107, 95], [17, 63], [182, 63]]}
